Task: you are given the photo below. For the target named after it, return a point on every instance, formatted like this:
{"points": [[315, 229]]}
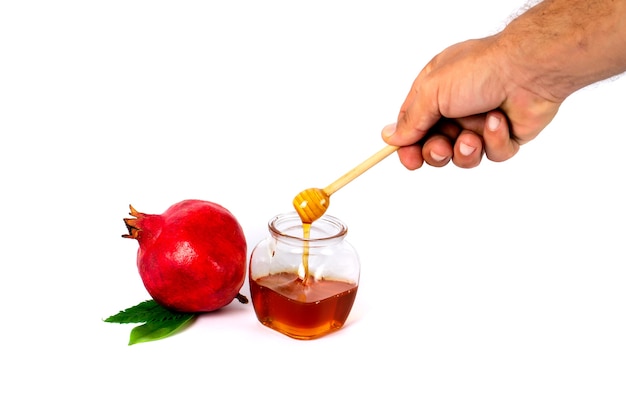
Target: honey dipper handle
{"points": [[361, 168]]}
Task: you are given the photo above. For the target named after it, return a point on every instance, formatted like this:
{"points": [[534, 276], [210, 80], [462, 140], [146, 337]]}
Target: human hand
{"points": [[470, 100]]}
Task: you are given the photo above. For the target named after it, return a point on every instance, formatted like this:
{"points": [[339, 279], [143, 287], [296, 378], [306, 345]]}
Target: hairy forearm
{"points": [[561, 46]]}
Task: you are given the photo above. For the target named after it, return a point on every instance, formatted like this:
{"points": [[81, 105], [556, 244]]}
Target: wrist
{"points": [[560, 46]]}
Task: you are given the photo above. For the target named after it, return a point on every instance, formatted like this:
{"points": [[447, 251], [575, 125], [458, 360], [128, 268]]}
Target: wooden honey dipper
{"points": [[312, 203]]}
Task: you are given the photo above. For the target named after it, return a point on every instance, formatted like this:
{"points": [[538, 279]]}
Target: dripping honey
{"points": [[306, 234]]}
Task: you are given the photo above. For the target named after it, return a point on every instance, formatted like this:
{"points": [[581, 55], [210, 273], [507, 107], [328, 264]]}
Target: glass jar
{"points": [[304, 287]]}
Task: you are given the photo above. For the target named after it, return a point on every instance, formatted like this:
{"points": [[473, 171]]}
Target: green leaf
{"points": [[155, 330], [144, 312], [159, 322]]}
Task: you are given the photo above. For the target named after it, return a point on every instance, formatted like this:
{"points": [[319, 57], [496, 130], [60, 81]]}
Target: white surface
{"points": [[497, 291]]}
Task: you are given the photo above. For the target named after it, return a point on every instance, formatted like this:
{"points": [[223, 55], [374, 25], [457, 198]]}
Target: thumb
{"points": [[414, 121]]}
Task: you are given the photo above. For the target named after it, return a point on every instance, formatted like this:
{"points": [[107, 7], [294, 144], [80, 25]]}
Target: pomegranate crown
{"points": [[132, 224]]}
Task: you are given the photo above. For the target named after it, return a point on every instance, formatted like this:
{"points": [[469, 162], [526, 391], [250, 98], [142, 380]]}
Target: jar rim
{"points": [[328, 226]]}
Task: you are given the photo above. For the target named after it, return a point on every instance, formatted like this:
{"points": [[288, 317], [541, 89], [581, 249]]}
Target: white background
{"points": [[496, 291]]}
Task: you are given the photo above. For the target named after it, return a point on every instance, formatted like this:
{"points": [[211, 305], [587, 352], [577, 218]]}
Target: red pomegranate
{"points": [[192, 258]]}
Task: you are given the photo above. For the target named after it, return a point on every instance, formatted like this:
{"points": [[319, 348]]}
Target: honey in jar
{"points": [[304, 284]]}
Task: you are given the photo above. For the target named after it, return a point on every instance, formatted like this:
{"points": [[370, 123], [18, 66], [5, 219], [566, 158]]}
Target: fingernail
{"points": [[436, 156], [493, 122], [389, 130], [466, 150]]}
